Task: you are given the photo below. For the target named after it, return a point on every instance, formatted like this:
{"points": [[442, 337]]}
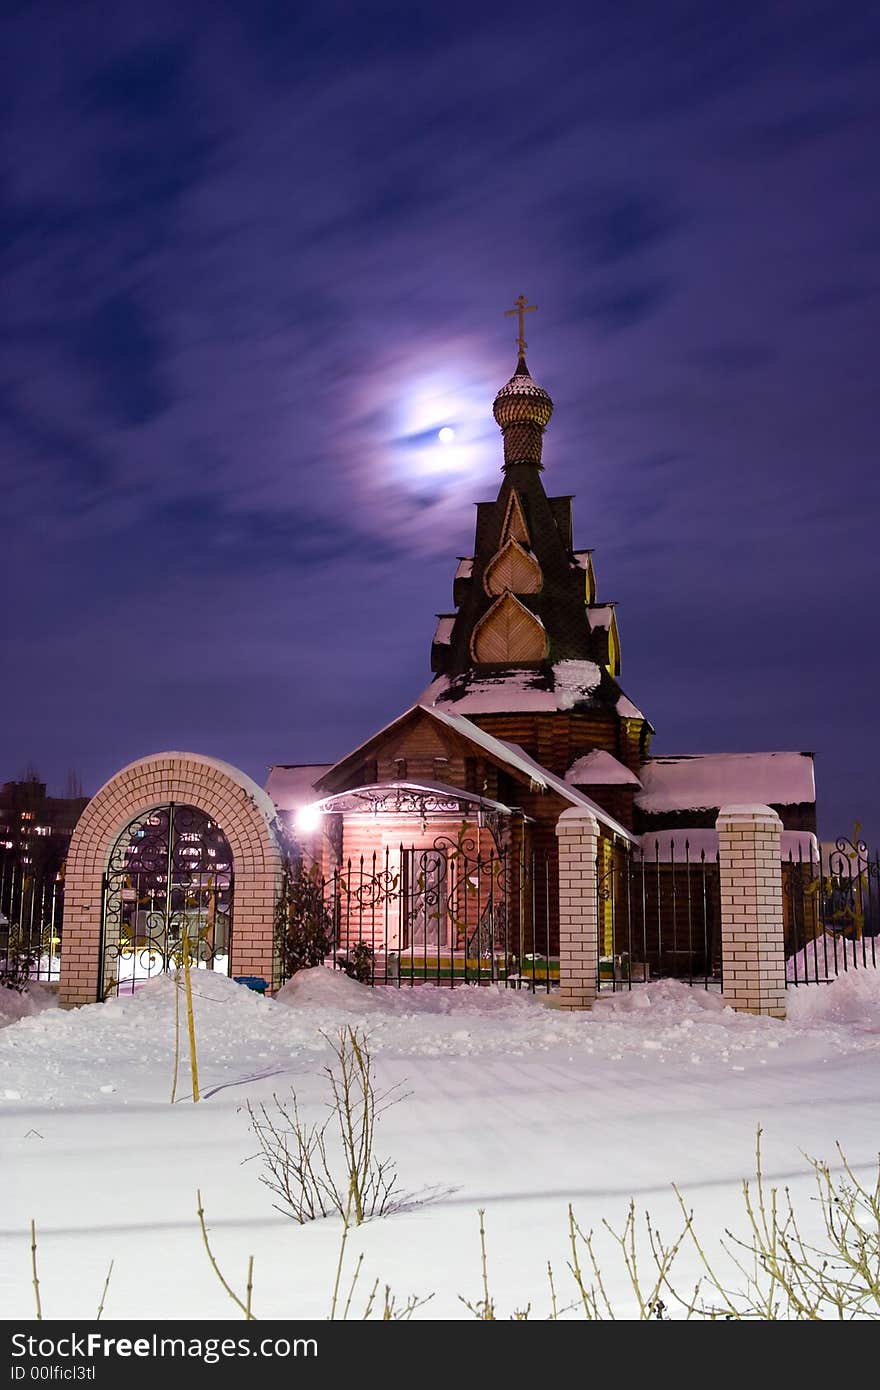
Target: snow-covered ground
{"points": [[513, 1106]]}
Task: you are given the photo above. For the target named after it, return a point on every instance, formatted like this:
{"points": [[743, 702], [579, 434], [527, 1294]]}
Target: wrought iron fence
{"points": [[30, 925], [447, 913], [659, 915], [831, 911]]}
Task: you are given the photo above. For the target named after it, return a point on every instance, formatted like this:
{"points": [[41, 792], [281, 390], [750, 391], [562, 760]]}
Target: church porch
{"points": [[433, 884]]}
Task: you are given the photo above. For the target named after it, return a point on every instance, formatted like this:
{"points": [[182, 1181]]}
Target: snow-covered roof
{"points": [[687, 846], [515, 690], [707, 781], [627, 710], [521, 385], [465, 567], [292, 786], [443, 631], [599, 615], [601, 769], [574, 680], [508, 754], [582, 558], [517, 758]]}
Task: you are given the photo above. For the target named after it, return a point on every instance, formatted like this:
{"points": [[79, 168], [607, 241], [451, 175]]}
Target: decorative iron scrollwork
{"points": [[167, 897]]}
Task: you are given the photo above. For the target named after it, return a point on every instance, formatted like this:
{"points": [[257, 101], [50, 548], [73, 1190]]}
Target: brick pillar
{"points": [[578, 835], [752, 940]]}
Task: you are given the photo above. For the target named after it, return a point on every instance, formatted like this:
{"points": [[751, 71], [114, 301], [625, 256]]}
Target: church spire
{"points": [[522, 408]]}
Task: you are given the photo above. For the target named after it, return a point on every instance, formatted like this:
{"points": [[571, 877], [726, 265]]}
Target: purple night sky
{"points": [[257, 254]]}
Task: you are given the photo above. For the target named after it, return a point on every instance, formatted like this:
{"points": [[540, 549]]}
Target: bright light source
{"points": [[308, 818], [446, 435]]}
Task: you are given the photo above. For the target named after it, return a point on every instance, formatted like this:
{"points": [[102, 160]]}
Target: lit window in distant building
{"points": [[27, 815], [42, 830]]}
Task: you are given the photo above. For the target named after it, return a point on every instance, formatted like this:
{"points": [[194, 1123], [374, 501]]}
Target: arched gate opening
{"points": [[167, 897]]}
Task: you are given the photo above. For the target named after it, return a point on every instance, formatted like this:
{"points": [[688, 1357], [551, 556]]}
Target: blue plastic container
{"points": [[255, 982]]}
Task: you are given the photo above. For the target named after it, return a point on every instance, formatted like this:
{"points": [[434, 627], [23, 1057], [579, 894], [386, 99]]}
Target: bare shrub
{"points": [[298, 1158], [380, 1302], [35, 1281], [783, 1275], [776, 1272], [20, 958]]}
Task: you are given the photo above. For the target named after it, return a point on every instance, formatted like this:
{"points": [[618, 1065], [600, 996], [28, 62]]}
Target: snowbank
{"points": [[15, 1005], [853, 999], [326, 989], [663, 999], [125, 1046], [348, 1001]]}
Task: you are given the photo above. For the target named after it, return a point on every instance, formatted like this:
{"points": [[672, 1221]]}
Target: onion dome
{"points": [[522, 401], [522, 409]]}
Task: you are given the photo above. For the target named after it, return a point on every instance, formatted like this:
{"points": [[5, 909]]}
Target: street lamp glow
{"points": [[308, 819]]}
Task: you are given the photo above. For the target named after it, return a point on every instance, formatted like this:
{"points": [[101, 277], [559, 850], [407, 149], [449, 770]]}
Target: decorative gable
{"points": [[507, 634], [513, 569], [514, 527]]}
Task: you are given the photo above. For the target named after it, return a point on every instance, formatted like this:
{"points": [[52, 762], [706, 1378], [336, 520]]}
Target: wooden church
{"points": [[439, 830]]}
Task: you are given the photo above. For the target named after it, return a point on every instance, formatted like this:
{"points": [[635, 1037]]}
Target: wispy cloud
{"points": [[245, 245]]}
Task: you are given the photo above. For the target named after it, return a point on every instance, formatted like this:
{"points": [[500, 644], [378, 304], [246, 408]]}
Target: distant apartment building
{"points": [[35, 828]]}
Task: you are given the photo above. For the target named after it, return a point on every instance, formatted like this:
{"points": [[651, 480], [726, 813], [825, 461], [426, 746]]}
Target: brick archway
{"points": [[242, 810]]}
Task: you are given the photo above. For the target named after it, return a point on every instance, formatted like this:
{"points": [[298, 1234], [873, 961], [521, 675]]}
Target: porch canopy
{"points": [[410, 798]]}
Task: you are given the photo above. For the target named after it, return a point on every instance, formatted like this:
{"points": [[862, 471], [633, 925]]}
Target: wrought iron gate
{"points": [[659, 915], [167, 895]]}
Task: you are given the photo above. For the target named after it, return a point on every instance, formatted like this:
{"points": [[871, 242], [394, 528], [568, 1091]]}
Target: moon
{"points": [[446, 435]]}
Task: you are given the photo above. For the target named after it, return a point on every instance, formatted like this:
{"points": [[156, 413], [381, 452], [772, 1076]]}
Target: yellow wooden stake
{"points": [[190, 1019], [176, 1032]]}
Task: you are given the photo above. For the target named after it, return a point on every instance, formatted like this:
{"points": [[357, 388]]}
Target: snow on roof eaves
{"points": [[516, 757], [599, 615], [474, 734], [507, 753], [627, 710], [600, 768], [465, 567], [706, 781], [443, 631]]}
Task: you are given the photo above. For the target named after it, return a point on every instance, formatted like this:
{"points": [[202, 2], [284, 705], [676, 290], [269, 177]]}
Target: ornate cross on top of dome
{"points": [[521, 307], [522, 408]]}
